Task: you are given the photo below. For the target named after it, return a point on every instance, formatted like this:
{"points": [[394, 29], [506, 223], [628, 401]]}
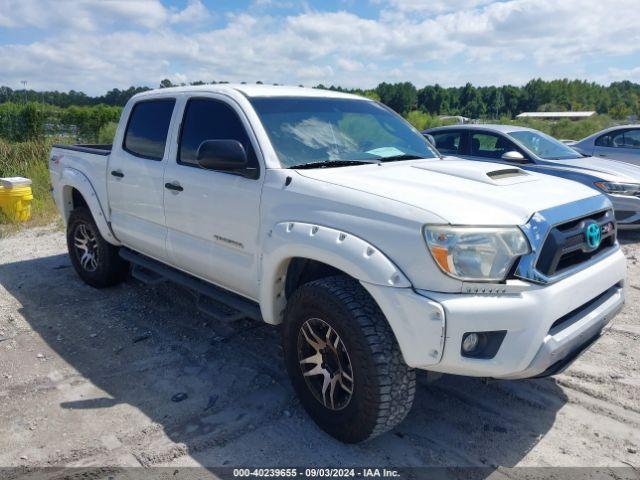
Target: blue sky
{"points": [[95, 45]]}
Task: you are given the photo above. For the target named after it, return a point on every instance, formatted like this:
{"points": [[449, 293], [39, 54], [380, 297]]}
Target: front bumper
{"points": [[578, 331], [546, 325]]}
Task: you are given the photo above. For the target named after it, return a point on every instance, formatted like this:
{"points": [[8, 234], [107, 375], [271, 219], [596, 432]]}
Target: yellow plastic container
{"points": [[15, 198]]}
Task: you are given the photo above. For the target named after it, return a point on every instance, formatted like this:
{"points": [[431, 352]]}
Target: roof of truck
{"points": [[254, 90]]}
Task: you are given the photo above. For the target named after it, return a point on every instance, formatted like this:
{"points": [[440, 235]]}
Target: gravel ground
{"points": [[134, 376]]}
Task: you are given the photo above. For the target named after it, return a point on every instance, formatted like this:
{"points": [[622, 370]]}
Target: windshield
{"points": [[329, 131], [545, 146]]}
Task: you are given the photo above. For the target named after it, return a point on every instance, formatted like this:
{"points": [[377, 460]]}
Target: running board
{"points": [[223, 305], [146, 276]]}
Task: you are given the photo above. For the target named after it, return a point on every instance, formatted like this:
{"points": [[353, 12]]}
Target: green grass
{"points": [[107, 132], [29, 159]]}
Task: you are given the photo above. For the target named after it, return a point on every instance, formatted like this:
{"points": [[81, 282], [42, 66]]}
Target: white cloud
{"points": [[96, 45], [430, 7], [96, 14], [147, 13], [348, 65], [194, 12], [618, 74]]}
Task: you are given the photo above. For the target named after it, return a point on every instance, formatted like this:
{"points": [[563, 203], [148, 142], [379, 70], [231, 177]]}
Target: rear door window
{"points": [[621, 139], [147, 128], [450, 142], [618, 140], [632, 139]]}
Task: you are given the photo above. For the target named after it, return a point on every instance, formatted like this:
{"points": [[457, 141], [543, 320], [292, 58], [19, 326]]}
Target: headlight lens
{"points": [[476, 253], [617, 188]]}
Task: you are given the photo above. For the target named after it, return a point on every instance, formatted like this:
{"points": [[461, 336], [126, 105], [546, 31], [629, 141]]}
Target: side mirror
{"points": [[223, 155], [513, 156]]}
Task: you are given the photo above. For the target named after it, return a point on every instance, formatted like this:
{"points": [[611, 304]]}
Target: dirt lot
{"points": [[90, 377]]}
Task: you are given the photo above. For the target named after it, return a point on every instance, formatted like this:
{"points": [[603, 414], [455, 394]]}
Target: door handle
{"points": [[173, 186], [117, 173], [602, 155]]}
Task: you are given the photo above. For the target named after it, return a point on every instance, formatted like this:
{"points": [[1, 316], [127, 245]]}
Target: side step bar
{"points": [[213, 301]]}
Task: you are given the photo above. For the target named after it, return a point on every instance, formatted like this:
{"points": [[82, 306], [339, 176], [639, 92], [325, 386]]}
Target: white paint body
{"points": [[365, 220]]}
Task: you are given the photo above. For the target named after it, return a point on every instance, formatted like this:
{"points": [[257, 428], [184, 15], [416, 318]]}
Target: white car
{"points": [[617, 143], [330, 215]]}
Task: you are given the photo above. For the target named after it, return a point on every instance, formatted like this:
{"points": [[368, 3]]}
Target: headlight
{"points": [[476, 253], [617, 188]]}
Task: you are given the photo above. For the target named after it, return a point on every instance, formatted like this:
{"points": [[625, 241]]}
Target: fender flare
{"points": [[344, 251], [75, 179]]}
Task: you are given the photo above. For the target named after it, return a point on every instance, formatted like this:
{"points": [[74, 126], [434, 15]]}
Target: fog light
{"points": [[481, 344], [470, 342]]}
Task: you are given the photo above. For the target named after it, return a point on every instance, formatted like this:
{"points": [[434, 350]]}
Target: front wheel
{"points": [[95, 260], [344, 361]]}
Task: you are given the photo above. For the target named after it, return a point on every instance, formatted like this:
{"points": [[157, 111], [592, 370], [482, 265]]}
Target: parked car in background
{"points": [[536, 151], [618, 143]]}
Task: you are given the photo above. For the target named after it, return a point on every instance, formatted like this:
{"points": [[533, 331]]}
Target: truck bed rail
{"points": [[96, 149]]}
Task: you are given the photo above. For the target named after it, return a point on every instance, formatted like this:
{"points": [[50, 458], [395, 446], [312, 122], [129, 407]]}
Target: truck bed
{"points": [[86, 161], [96, 149]]}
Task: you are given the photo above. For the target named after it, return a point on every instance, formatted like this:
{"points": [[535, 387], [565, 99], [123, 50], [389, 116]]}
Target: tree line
{"points": [[618, 100], [27, 114]]}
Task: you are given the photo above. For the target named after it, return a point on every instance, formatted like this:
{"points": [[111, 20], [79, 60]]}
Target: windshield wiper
{"points": [[333, 163], [404, 156]]}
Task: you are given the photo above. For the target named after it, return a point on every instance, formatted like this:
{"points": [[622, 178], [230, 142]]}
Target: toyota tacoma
{"points": [[331, 216]]}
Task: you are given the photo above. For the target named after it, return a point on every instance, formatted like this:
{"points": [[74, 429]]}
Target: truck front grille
{"points": [[566, 244]]}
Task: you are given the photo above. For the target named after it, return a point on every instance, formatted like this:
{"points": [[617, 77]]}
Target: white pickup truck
{"points": [[331, 216]]}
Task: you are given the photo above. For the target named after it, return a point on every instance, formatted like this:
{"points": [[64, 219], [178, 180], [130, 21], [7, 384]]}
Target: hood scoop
{"points": [[483, 172], [506, 173]]}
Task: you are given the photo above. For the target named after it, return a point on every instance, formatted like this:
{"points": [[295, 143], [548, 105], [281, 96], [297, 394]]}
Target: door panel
{"points": [[135, 178], [136, 200], [618, 153], [213, 223], [213, 226]]}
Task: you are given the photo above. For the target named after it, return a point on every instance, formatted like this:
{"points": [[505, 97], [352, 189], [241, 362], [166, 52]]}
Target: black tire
{"points": [[108, 269], [383, 385]]}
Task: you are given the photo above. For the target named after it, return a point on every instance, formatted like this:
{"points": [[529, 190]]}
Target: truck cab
{"points": [[328, 214]]}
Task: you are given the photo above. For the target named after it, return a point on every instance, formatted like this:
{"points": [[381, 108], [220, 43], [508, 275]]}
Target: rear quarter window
{"points": [[148, 127]]}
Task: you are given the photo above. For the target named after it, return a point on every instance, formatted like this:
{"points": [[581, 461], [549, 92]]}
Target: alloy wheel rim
{"points": [[325, 364], [86, 245]]}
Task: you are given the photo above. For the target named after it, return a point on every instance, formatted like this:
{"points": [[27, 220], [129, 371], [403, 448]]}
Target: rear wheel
{"points": [[95, 260], [344, 361]]}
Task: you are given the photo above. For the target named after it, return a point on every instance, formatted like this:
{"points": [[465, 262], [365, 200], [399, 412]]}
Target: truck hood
{"points": [[459, 191], [610, 170]]}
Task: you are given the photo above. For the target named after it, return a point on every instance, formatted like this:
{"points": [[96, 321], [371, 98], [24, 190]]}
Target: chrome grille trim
{"points": [[540, 224]]}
